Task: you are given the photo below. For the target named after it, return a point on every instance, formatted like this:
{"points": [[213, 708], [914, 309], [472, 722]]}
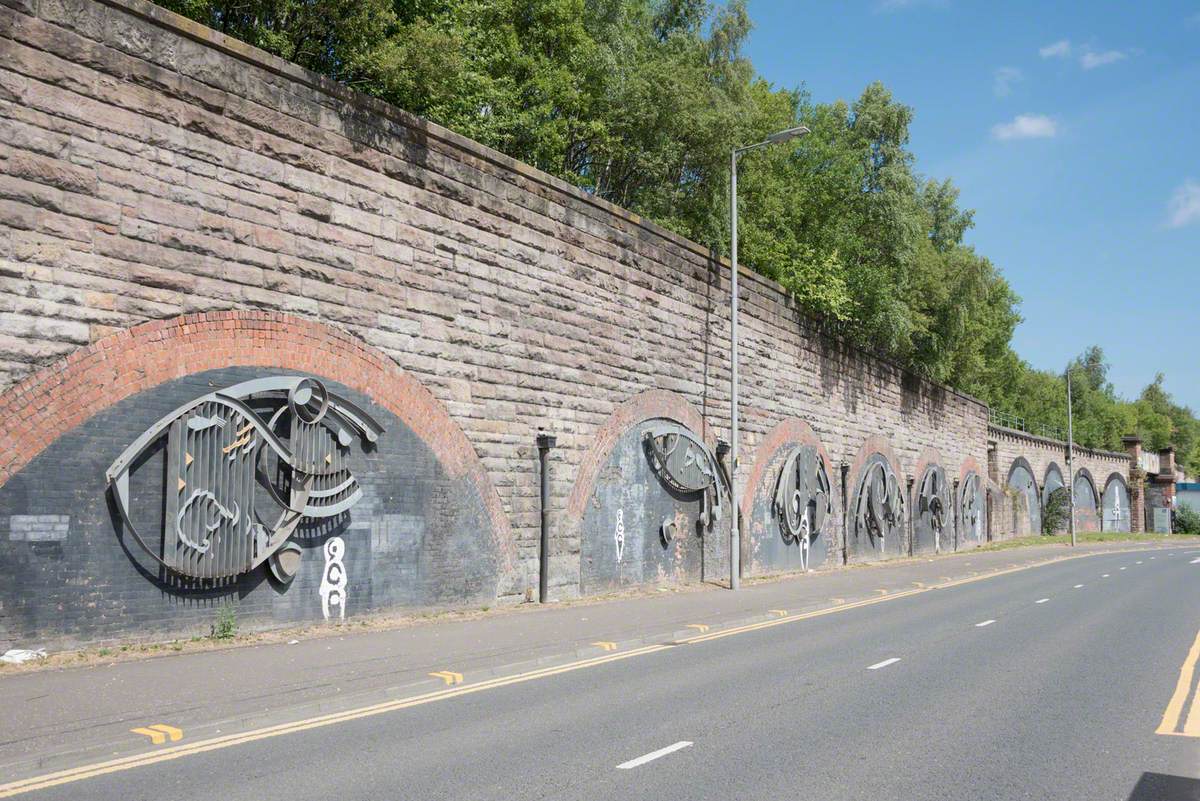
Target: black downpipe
{"points": [[845, 517], [911, 508], [544, 443]]}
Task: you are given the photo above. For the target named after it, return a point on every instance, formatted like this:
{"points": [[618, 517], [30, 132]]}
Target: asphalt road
{"points": [[1054, 699]]}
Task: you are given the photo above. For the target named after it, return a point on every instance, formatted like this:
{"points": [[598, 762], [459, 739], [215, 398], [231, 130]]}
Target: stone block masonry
{"points": [[1094, 472], [160, 182]]}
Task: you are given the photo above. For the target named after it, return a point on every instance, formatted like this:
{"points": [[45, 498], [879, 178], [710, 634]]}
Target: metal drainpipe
{"points": [[845, 516], [544, 443], [956, 513], [912, 518]]}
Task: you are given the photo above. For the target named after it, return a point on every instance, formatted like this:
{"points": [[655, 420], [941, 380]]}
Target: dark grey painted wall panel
{"points": [[68, 573], [766, 549], [933, 524], [1116, 506], [864, 544], [1020, 478], [971, 524], [630, 499]]}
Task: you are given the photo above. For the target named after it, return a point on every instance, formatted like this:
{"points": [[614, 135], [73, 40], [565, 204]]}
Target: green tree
{"points": [[1161, 423], [640, 103], [338, 38]]}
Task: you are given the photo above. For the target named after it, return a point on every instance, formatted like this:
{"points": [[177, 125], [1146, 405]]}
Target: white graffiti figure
{"points": [[333, 580], [805, 539], [619, 534]]}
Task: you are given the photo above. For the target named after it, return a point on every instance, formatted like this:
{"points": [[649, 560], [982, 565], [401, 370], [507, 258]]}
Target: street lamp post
{"points": [[1070, 458], [735, 539]]}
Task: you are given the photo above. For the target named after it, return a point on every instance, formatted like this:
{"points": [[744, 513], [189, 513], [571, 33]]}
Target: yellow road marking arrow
{"points": [[448, 676], [701, 627], [606, 645], [156, 737], [159, 733], [175, 734]]}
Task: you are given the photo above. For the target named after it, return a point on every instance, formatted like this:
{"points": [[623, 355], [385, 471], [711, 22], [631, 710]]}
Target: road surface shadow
{"points": [[1161, 787]]}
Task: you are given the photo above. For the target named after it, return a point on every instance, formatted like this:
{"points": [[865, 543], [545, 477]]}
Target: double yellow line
{"points": [[201, 746], [216, 743], [1183, 688]]}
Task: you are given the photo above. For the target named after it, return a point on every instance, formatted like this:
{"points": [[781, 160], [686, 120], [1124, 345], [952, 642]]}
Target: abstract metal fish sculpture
{"points": [[970, 505], [802, 496], [285, 435], [880, 505], [930, 498], [686, 465]]}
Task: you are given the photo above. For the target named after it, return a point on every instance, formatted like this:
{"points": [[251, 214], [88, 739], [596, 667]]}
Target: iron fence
{"points": [[1005, 420]]}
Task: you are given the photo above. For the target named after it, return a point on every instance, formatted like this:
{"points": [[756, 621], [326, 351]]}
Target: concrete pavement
{"points": [[1052, 699]]}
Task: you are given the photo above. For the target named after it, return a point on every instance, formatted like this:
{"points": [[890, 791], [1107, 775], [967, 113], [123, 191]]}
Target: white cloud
{"points": [[1004, 78], [1060, 49], [1184, 207], [1090, 59], [1026, 126]]}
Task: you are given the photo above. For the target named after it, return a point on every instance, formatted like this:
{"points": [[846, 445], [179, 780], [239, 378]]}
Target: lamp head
{"points": [[788, 134]]}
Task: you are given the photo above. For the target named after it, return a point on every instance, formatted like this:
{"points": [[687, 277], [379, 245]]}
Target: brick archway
{"points": [[644, 406], [69, 392], [792, 429]]}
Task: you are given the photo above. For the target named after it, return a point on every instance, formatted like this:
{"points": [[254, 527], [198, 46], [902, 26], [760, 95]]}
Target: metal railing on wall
{"points": [[1005, 420]]}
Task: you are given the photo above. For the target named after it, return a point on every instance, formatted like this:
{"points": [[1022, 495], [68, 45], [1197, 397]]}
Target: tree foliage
{"points": [[641, 101], [1100, 416]]}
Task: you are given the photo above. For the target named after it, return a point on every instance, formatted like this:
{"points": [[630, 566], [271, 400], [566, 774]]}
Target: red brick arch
{"points": [[650, 404], [62, 396], [929, 457], [786, 432]]}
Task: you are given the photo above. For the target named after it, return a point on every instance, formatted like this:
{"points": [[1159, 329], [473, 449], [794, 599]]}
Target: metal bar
{"points": [[735, 533], [544, 443], [1071, 456]]}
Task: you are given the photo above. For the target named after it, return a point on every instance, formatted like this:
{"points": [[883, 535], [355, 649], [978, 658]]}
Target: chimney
{"points": [[1166, 462]]}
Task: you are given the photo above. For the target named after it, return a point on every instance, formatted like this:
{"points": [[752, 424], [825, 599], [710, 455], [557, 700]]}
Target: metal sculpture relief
{"points": [[688, 466], [933, 502], [802, 498], [970, 511], [880, 507], [283, 439]]}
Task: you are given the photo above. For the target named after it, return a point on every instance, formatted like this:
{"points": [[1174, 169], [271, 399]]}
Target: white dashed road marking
{"points": [[1196, 561], [653, 755], [884, 663], [1077, 586], [1104, 576], [984, 623], [1041, 600]]}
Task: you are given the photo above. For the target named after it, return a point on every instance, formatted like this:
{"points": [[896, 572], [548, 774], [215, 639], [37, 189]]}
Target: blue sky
{"points": [[1072, 129]]}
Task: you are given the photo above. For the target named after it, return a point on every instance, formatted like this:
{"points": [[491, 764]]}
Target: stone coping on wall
{"points": [[1057, 444], [261, 59]]}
